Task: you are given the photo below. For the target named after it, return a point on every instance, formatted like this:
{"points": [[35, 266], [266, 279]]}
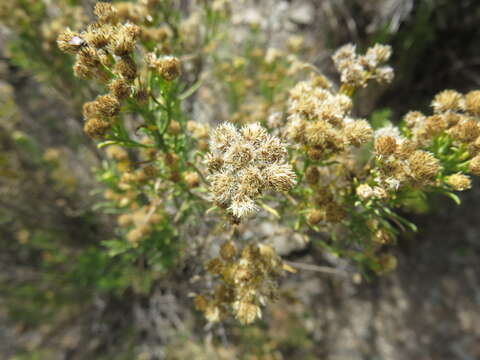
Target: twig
{"points": [[322, 269]]}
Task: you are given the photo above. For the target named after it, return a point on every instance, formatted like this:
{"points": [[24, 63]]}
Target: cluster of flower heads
{"points": [[105, 52], [168, 67], [404, 160], [319, 120], [401, 163], [248, 282], [243, 164], [356, 70], [454, 114]]}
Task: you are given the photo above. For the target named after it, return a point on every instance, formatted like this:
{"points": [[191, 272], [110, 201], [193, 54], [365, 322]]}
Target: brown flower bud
{"points": [[96, 127], [314, 216], [70, 42], [88, 57], [120, 88], [127, 68], [192, 179], [466, 131], [81, 71], [474, 165], [174, 128], [107, 105], [459, 182], [472, 102], [105, 12], [168, 67]]}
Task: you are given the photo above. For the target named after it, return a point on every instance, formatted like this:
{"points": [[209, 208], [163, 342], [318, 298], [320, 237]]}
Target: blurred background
{"points": [[61, 297]]}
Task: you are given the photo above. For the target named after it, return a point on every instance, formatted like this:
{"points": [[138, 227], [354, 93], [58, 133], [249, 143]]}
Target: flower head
{"points": [[244, 164]]}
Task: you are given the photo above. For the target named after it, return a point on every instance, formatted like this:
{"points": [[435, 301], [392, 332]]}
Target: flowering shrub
{"points": [[289, 148]]}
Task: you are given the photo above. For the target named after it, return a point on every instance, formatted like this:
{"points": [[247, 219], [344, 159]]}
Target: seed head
{"points": [[435, 125], [126, 68], [124, 41], [88, 57], [405, 149], [474, 165], [385, 145], [214, 163], [472, 102], [96, 127], [244, 164], [413, 119], [83, 72], [466, 131], [314, 216], [448, 100], [169, 67], [459, 182], [358, 132], [105, 12], [357, 70], [248, 281], [423, 166], [120, 88], [279, 177], [107, 105], [70, 42], [99, 37]]}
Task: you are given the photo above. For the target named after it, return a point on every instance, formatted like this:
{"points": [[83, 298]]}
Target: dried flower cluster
{"points": [[319, 120], [244, 164], [168, 67], [356, 70], [353, 176], [104, 52], [402, 160], [248, 282], [454, 114], [400, 163]]}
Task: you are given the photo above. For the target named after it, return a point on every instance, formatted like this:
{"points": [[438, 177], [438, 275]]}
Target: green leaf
{"points": [[270, 209], [380, 118], [116, 246]]}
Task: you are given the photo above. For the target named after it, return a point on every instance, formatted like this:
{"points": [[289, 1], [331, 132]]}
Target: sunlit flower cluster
{"points": [[356, 70], [245, 163]]}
